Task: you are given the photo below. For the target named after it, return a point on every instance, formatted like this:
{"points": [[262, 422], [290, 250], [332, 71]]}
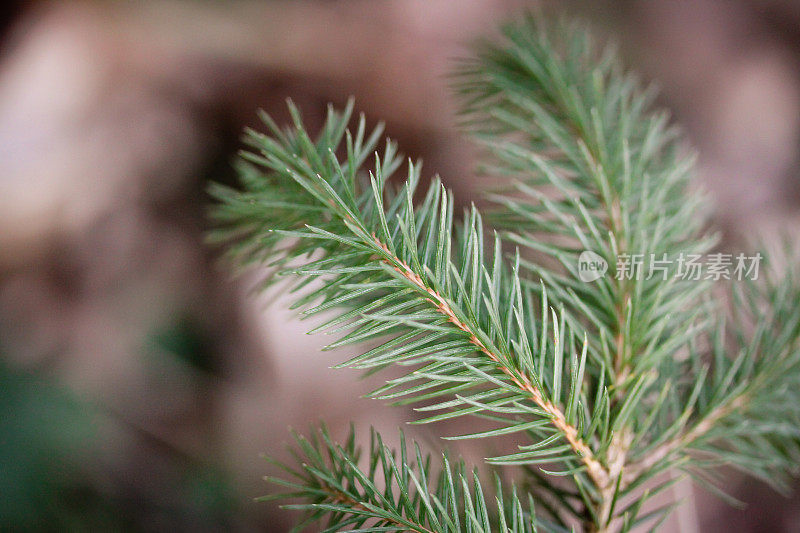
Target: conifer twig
{"points": [[658, 383], [596, 470]]}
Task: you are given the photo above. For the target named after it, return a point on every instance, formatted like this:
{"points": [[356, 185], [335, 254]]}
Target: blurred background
{"points": [[138, 382]]}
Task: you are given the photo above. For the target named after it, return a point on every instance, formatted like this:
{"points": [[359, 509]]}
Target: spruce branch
{"points": [[389, 266], [596, 470], [592, 168], [411, 497], [614, 385]]}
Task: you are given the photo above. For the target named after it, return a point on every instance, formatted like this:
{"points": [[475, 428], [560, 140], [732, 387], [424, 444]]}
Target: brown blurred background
{"points": [[138, 383]]}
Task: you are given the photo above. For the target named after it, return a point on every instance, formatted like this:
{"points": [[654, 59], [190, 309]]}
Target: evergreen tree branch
{"points": [[595, 468], [745, 413], [331, 485], [595, 170], [657, 385], [685, 440], [388, 268]]}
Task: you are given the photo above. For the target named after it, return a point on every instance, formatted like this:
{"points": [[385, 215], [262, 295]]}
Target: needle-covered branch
{"points": [[593, 168], [614, 383], [384, 490], [422, 284], [745, 405]]}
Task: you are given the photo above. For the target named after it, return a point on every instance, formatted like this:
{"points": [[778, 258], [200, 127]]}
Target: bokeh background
{"points": [[138, 382]]}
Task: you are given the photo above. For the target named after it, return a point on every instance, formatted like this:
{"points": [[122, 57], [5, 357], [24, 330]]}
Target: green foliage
{"points": [[402, 275], [747, 407], [592, 168], [606, 384], [413, 497]]}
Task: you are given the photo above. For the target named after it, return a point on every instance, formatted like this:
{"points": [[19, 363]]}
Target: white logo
{"points": [[591, 266]]}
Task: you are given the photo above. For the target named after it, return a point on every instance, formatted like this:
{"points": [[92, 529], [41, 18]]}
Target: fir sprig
{"points": [[462, 321], [607, 384], [413, 496], [592, 167]]}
